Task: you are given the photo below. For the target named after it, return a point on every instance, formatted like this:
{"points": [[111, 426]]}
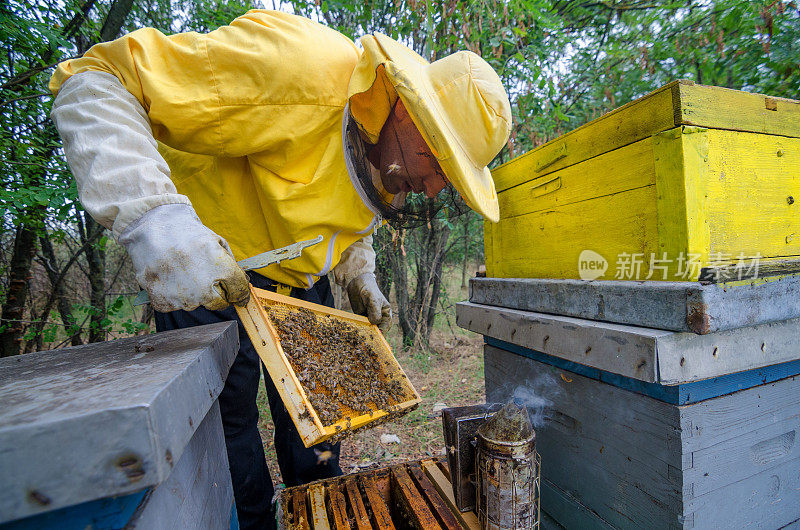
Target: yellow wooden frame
{"points": [[265, 339]]}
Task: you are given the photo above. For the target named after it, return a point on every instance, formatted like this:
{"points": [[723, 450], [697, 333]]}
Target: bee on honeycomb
{"points": [[338, 368]]}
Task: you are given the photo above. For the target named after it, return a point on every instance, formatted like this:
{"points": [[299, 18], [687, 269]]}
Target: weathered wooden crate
{"points": [[689, 182], [121, 434], [651, 428], [617, 458]]}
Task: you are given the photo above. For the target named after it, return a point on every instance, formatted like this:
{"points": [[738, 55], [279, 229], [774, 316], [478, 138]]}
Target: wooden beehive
{"points": [[617, 453], [119, 434], [649, 428], [706, 173], [411, 495], [265, 338]]}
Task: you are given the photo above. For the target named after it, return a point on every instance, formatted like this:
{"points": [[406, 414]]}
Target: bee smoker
{"points": [[494, 467], [508, 484]]}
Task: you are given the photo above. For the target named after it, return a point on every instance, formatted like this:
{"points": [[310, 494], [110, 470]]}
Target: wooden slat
{"points": [[570, 513], [723, 108], [283, 510], [338, 507], [444, 513], [379, 509], [651, 355], [300, 513], [319, 515], [359, 511], [468, 520], [679, 157], [412, 501], [763, 500], [263, 294], [630, 123], [633, 169], [445, 471], [261, 333]]}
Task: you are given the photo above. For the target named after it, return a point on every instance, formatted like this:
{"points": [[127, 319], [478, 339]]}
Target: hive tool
{"points": [[258, 261]]}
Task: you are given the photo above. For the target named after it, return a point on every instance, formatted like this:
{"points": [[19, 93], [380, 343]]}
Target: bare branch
{"points": [[23, 98]]}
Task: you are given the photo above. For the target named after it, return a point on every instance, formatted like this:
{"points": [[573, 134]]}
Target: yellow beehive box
{"points": [[688, 183]]}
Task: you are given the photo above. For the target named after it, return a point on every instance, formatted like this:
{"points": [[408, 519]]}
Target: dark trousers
{"points": [[252, 484]]}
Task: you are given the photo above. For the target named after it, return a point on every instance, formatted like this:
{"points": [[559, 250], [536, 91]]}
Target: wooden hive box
{"points": [[119, 434], [613, 457], [706, 173], [648, 428]]}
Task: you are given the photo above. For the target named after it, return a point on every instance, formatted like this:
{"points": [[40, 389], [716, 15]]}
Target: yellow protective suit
{"points": [[249, 119]]}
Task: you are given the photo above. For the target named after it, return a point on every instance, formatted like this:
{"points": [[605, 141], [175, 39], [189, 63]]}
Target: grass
{"points": [[449, 372]]}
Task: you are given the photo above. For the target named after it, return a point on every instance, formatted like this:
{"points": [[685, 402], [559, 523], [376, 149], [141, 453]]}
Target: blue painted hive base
{"points": [[196, 495], [726, 455]]}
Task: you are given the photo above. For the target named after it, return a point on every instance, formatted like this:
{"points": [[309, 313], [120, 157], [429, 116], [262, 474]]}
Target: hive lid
{"points": [[104, 419]]}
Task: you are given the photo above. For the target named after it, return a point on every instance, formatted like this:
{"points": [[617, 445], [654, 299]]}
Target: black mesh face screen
{"points": [[417, 209]]}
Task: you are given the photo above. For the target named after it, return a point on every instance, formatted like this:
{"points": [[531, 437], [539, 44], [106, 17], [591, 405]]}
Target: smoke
{"points": [[537, 396]]}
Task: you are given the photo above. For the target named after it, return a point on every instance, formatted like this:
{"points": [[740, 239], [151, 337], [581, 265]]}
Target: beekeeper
{"points": [[200, 150]]}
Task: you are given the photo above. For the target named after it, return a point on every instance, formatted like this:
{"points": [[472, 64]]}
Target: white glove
{"points": [[181, 263], [367, 299]]}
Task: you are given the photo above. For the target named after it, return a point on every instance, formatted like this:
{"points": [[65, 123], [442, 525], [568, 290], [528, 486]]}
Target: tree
{"points": [[45, 231], [609, 53], [28, 144], [563, 63]]}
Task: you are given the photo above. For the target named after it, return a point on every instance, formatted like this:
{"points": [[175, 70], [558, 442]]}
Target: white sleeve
{"points": [[357, 259], [111, 151]]}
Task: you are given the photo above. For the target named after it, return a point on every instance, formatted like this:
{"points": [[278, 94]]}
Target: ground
{"points": [[450, 372]]}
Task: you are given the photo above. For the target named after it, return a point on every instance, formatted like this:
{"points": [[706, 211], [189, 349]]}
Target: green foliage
{"points": [[609, 53], [562, 63], [38, 191], [208, 16]]}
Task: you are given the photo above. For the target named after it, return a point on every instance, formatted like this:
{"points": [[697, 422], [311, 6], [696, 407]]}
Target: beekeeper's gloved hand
{"points": [[181, 263], [367, 299]]}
